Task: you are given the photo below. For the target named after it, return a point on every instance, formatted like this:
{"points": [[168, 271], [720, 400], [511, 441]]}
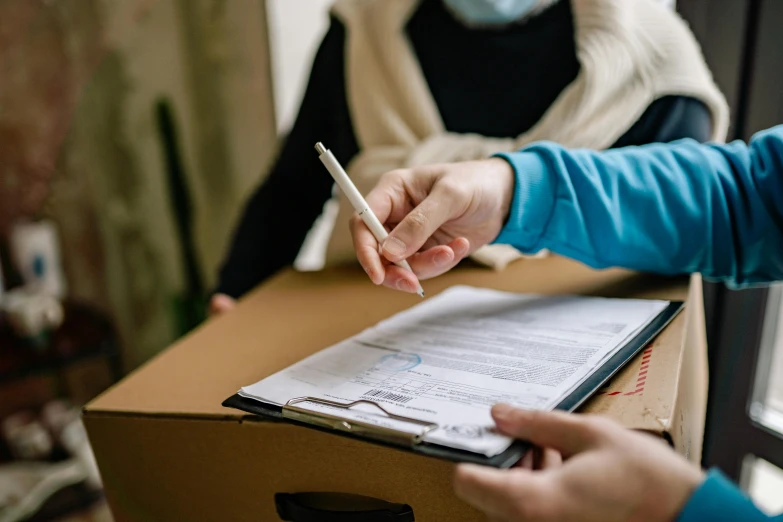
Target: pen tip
{"points": [[320, 148], [421, 293]]}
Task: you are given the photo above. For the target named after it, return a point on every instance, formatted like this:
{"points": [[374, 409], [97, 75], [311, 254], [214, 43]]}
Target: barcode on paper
{"points": [[383, 394]]}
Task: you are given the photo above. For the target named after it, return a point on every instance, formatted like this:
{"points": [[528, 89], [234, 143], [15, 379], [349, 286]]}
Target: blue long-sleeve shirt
{"points": [[678, 208]]}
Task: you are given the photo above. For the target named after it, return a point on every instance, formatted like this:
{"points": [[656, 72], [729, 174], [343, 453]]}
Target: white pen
{"points": [[357, 200]]}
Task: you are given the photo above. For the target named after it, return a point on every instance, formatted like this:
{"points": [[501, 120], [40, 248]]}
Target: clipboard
{"points": [[292, 414]]}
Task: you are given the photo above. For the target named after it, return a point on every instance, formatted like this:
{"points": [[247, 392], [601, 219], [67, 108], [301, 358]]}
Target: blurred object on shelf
{"points": [[64, 422], [56, 471], [27, 437], [32, 314], [25, 487], [25, 394], [85, 335], [35, 250], [57, 414]]}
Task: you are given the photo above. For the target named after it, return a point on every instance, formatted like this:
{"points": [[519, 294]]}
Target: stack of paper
{"points": [[449, 359]]}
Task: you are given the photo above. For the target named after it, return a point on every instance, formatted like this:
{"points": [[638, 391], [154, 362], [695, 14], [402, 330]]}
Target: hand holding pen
{"points": [[437, 215], [362, 208]]}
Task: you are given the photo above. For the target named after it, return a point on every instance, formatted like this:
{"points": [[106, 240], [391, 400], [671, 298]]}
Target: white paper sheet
{"points": [[449, 359]]}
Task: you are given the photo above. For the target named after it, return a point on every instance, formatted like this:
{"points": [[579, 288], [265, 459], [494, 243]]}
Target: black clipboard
{"points": [[293, 415]]}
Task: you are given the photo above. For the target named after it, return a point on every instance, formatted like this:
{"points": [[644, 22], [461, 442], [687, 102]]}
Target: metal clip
{"points": [[365, 429]]}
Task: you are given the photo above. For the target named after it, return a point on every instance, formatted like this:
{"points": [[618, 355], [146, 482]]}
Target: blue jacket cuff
{"points": [[719, 500], [532, 204]]}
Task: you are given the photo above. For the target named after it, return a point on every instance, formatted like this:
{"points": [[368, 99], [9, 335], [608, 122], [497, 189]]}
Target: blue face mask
{"points": [[490, 12]]}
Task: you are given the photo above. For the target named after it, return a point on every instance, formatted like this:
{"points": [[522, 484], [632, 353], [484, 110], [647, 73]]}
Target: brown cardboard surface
{"points": [[165, 444], [663, 390], [171, 470]]}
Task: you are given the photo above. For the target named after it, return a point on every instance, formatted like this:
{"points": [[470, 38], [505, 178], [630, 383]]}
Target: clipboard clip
{"points": [[363, 429]]}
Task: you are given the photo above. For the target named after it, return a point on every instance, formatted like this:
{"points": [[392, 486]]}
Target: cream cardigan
{"points": [[631, 53]]}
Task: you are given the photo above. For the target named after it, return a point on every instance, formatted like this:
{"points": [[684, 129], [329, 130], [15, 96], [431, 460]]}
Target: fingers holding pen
{"points": [[425, 265]]}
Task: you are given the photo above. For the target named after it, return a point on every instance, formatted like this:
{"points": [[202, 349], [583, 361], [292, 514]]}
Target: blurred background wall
{"points": [[295, 30], [138, 127]]}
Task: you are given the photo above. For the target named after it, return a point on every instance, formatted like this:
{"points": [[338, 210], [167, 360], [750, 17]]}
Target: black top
{"points": [[497, 82]]}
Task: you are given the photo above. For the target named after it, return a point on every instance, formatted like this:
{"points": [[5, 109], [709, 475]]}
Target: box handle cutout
{"points": [[339, 507]]}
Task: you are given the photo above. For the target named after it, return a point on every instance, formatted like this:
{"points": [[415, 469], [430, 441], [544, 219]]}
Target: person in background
{"points": [[677, 208], [406, 82]]}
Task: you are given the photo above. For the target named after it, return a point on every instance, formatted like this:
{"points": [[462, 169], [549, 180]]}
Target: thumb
{"points": [[413, 231], [567, 433]]}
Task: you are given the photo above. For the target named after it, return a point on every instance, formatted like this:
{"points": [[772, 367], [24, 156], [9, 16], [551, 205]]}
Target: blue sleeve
{"points": [[718, 500], [672, 209]]}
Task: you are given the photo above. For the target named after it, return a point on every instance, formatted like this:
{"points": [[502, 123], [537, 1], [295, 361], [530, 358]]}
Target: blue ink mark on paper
{"points": [[398, 362]]}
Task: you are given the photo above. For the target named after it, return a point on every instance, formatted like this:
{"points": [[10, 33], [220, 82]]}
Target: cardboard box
{"points": [[169, 451]]}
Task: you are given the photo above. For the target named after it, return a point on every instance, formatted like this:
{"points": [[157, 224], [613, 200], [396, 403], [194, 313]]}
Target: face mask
{"points": [[490, 12]]}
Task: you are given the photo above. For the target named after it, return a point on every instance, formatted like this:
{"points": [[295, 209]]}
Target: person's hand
{"points": [[608, 474], [437, 215], [220, 304]]}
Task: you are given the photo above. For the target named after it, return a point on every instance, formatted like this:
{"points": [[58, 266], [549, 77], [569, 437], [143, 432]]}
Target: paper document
{"points": [[449, 359]]}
